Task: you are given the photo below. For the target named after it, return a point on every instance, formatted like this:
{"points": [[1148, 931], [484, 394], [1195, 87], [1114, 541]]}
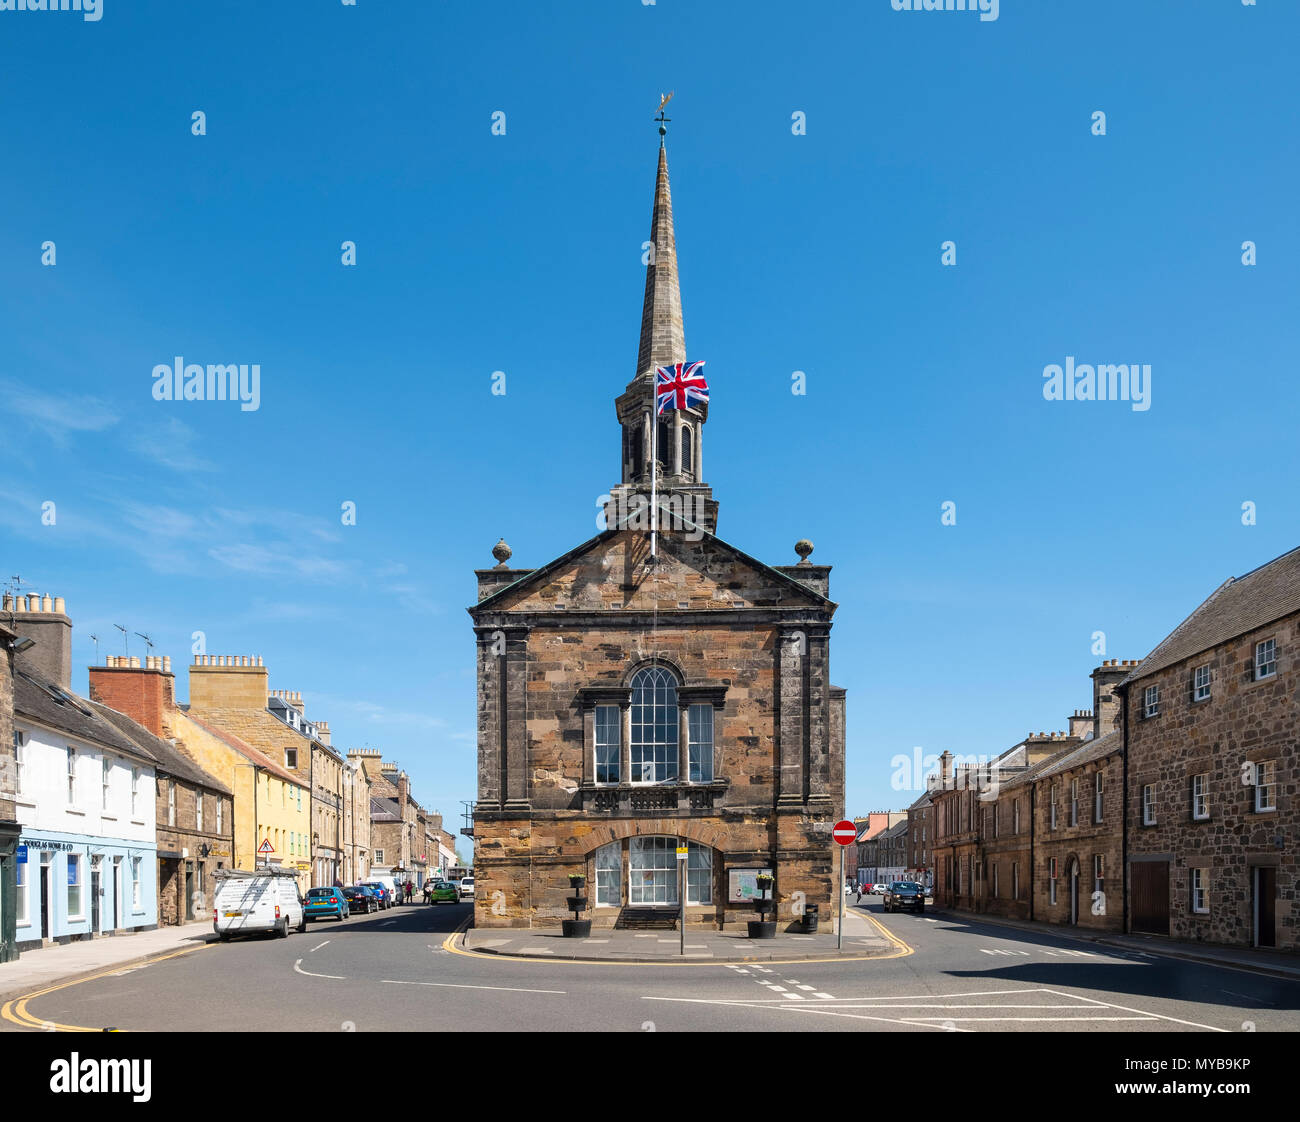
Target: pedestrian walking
{"points": [[410, 888]]}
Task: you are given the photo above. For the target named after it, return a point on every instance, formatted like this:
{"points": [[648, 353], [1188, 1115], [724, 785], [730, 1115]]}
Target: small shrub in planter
{"points": [[577, 880]]}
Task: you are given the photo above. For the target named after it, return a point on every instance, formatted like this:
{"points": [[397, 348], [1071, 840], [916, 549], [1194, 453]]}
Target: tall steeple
{"points": [[663, 334], [679, 438]]}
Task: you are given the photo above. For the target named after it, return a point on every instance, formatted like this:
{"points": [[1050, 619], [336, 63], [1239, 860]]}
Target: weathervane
{"points": [[664, 99]]}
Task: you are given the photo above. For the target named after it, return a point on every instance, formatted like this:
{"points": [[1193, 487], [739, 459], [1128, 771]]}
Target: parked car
{"points": [[466, 887], [444, 891], [326, 902], [904, 894], [384, 893], [262, 901], [362, 898]]}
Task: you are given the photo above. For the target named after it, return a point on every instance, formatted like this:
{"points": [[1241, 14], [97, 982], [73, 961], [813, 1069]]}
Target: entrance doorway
{"points": [[1074, 890], [188, 908], [1264, 890], [117, 893], [47, 916], [1150, 881], [96, 876]]}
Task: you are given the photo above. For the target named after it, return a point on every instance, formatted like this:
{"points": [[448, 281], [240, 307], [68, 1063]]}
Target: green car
{"points": [[444, 890]]}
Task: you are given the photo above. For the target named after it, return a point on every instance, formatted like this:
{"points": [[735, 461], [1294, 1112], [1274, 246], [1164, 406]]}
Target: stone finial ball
{"points": [[502, 552], [803, 547]]}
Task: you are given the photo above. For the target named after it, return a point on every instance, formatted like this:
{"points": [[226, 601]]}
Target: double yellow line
{"points": [[16, 1011]]}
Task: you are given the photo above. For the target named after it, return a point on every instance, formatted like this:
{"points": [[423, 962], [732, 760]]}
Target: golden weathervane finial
{"points": [[664, 99]]}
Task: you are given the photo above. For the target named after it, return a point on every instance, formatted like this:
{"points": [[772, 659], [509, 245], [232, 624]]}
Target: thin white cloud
{"points": [[56, 415], [171, 443]]}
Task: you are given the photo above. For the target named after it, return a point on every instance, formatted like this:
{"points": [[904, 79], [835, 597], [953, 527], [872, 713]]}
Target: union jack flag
{"points": [[680, 386]]}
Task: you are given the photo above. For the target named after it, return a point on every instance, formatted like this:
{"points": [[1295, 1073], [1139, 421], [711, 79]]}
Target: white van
{"points": [[265, 900]]}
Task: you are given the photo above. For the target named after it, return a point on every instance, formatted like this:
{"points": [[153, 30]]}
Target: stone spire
{"points": [[663, 335]]}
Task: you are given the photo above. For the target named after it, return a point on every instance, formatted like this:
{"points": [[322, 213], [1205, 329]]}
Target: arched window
{"points": [[654, 726], [664, 451], [688, 449]]}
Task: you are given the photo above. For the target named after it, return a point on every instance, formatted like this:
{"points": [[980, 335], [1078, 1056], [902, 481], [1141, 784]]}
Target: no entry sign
{"points": [[845, 832]]}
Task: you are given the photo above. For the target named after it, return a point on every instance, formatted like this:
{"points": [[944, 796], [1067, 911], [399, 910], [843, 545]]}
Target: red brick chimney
{"points": [[143, 693]]}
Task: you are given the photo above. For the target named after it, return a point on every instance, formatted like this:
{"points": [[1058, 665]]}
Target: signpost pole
{"points": [[682, 853], [840, 943]]}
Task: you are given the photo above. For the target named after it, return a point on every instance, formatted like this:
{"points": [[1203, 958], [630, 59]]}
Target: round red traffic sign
{"points": [[845, 832]]}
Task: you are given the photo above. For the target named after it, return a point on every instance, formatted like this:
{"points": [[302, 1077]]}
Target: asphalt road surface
{"points": [[391, 972]]}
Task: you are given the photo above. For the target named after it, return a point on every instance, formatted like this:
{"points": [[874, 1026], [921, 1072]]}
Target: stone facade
{"points": [[743, 763], [1214, 771], [9, 827]]}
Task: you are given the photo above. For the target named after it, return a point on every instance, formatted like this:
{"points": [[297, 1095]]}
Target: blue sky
{"points": [[521, 253]]}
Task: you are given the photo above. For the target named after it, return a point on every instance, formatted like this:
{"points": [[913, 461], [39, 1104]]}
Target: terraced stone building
{"points": [[631, 702]]}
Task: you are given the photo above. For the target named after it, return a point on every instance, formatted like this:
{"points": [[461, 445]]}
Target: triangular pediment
{"points": [[610, 573]]}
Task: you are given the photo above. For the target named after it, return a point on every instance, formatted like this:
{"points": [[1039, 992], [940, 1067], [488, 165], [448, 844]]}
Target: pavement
{"points": [[863, 938], [34, 970], [1277, 964]]}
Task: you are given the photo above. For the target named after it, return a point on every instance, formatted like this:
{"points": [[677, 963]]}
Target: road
{"points": [[391, 972]]}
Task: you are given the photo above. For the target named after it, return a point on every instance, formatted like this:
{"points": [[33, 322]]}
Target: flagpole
{"points": [[654, 470]]}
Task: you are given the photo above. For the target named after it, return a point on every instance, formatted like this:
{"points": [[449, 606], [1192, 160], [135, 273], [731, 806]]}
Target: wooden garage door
{"points": [[1150, 882]]}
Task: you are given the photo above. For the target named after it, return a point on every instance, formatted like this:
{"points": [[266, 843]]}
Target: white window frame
{"points": [[1200, 891], [1201, 683], [1098, 873], [699, 751], [198, 809], [1200, 797], [1051, 880], [1015, 816], [106, 781], [610, 767], [135, 792], [218, 814], [1265, 659], [22, 883], [72, 776], [1265, 786], [658, 760], [1151, 702], [74, 862], [608, 889], [699, 873], [661, 852], [20, 760], [291, 757], [379, 857], [171, 802], [1098, 800], [137, 870], [1053, 806], [1074, 802], [1149, 804]]}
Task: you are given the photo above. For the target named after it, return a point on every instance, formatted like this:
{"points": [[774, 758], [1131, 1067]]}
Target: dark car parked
{"points": [[904, 894], [382, 891], [362, 898]]}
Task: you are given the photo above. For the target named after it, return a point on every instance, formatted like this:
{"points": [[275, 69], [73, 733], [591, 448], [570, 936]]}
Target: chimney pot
{"points": [[59, 606], [135, 662], [47, 603], [167, 664], [7, 603]]}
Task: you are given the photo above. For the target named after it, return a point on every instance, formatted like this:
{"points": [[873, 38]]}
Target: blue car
{"points": [[325, 902]]}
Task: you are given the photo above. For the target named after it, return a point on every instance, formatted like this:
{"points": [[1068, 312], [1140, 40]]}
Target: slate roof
{"points": [[1239, 605], [384, 810], [171, 760], [47, 703]]}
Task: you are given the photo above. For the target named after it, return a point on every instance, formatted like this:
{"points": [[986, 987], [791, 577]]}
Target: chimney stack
{"points": [[1105, 701], [1081, 724], [46, 622], [146, 693], [228, 682]]}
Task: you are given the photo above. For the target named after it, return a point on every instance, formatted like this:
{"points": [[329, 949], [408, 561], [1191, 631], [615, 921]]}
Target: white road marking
{"points": [[793, 996], [333, 977], [1126, 1009], [824, 996], [317, 947], [455, 986]]}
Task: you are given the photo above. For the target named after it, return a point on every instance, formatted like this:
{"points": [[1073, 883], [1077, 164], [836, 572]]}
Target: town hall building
{"points": [[654, 688]]}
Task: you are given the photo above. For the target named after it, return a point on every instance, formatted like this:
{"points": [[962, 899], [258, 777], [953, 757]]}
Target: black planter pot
{"points": [[577, 903], [761, 930], [576, 928], [576, 883]]}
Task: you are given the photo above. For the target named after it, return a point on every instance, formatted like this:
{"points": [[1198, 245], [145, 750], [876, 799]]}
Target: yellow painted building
{"points": [[270, 803]]}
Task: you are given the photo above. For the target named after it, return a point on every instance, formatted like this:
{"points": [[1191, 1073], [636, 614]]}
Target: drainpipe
{"points": [[1123, 856], [1033, 808]]}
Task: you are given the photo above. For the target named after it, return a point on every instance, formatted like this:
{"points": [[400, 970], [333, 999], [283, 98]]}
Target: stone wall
{"points": [[1243, 723]]}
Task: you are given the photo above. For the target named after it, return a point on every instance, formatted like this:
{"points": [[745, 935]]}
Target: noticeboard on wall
{"points": [[742, 884]]}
